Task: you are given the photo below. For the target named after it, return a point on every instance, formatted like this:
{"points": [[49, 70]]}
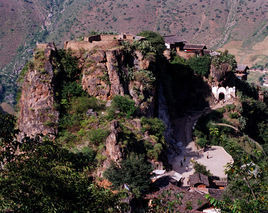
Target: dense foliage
{"points": [[155, 39], [200, 65], [122, 106], [224, 58], [134, 171], [247, 176], [44, 177], [255, 115], [199, 168]]}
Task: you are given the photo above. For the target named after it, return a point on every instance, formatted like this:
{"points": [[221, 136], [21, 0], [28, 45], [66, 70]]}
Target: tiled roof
{"points": [[194, 198], [216, 193], [198, 178], [194, 47], [241, 67], [172, 39]]}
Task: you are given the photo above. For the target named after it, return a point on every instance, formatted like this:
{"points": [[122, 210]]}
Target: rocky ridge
{"points": [[37, 112], [105, 73]]}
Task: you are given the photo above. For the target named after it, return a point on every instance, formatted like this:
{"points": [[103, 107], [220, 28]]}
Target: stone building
{"points": [[223, 93]]}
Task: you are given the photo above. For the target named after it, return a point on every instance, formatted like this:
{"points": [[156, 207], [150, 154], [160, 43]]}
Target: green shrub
{"points": [[97, 136], [202, 142], [198, 133], [199, 168], [154, 126], [155, 152], [234, 115], [70, 121], [230, 107], [224, 58], [178, 60], [69, 64], [66, 137], [155, 39], [124, 105], [200, 65], [146, 77], [24, 71], [71, 89], [144, 47], [134, 171], [221, 110], [82, 104]]}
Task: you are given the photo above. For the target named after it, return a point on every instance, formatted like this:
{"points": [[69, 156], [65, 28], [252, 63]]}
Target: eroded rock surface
{"points": [[37, 114], [111, 72]]}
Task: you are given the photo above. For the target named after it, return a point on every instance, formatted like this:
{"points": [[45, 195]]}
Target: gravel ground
{"points": [[214, 158]]}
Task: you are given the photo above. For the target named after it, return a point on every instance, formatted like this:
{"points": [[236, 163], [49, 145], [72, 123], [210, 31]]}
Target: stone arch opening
{"points": [[221, 96]]}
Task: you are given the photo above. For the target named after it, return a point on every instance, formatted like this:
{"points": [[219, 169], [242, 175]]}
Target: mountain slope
{"points": [[215, 23]]}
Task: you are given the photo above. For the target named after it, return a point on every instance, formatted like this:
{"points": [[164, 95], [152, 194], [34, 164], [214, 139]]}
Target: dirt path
{"points": [[214, 158]]}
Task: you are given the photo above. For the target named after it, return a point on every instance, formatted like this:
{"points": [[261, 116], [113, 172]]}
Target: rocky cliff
{"points": [[115, 71], [105, 73], [37, 113]]}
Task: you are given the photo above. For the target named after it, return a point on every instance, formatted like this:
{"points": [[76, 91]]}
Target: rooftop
{"points": [[172, 39], [194, 47], [198, 178], [242, 67], [194, 198]]}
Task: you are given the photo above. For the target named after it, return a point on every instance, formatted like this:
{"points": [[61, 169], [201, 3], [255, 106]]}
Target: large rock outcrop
{"points": [[111, 72], [37, 113], [218, 73]]}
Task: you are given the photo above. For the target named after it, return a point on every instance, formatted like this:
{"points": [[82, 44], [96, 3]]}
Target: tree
{"points": [[199, 168], [44, 177], [224, 58], [124, 105], [247, 186], [155, 39], [134, 172], [200, 65], [154, 126]]}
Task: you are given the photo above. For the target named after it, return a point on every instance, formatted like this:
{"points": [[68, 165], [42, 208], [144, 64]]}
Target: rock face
{"points": [[218, 73], [113, 150], [107, 73], [37, 114]]}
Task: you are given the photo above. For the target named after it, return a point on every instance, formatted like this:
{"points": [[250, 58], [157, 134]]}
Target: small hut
{"points": [[241, 72]]}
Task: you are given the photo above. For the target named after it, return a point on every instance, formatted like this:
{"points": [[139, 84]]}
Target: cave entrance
{"points": [[221, 96]]}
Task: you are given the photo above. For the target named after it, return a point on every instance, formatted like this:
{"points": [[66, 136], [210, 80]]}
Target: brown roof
{"points": [[172, 39], [216, 193], [193, 198], [194, 47], [220, 183], [241, 67], [198, 178]]}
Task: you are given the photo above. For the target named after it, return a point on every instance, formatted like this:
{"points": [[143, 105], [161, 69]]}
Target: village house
{"points": [[191, 200], [241, 72], [220, 184], [198, 180], [183, 48], [163, 178]]}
